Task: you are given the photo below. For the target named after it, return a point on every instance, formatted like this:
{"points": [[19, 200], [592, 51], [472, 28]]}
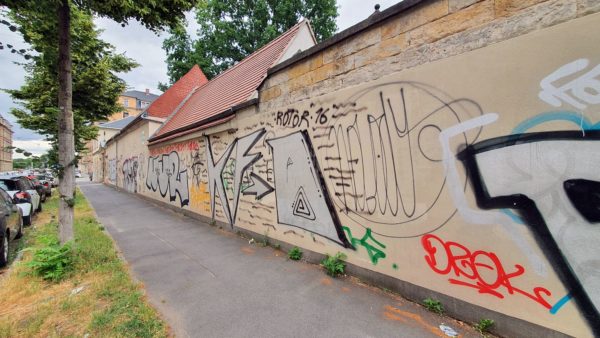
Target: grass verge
{"points": [[108, 303]]}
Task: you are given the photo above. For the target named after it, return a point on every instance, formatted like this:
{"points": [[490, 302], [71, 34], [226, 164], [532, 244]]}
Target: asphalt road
{"points": [[208, 282]]}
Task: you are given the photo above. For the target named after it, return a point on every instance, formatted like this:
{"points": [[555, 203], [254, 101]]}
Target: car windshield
{"points": [[9, 185], [41, 177]]}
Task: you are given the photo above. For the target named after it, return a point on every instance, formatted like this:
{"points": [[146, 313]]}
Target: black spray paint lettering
{"points": [[555, 194], [130, 171], [293, 118], [165, 175], [302, 197], [243, 161], [373, 144]]}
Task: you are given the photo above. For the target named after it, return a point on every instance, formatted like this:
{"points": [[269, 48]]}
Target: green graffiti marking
{"points": [[374, 253], [227, 177]]}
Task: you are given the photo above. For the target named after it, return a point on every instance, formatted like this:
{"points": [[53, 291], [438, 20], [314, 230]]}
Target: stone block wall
{"points": [[430, 31]]}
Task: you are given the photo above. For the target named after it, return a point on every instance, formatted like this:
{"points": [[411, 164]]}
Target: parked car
{"points": [[53, 180], [23, 194], [39, 187], [78, 174], [46, 182], [11, 224]]}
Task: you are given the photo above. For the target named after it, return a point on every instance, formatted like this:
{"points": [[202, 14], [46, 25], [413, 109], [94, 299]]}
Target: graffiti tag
{"points": [[479, 269]]}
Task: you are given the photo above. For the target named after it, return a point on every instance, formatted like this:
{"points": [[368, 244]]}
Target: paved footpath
{"points": [[208, 282]]}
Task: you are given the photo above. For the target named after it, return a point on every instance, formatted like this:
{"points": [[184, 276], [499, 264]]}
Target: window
{"points": [[125, 114], [25, 184], [9, 185], [126, 103]]}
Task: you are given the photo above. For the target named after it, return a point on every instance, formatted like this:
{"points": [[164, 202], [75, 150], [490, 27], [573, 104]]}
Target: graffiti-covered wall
{"points": [[127, 158], [473, 175]]}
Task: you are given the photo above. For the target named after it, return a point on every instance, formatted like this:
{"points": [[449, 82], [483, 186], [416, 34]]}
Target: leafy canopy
{"points": [[95, 85], [230, 30], [94, 62]]}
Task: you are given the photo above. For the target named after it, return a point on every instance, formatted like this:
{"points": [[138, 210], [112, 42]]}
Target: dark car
{"points": [[46, 182], [11, 224], [39, 187]]}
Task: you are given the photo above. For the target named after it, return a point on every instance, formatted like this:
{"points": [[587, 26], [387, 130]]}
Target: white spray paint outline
{"points": [[460, 200]]}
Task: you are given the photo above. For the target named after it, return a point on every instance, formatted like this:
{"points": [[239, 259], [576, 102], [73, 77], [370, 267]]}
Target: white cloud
{"points": [[35, 147]]}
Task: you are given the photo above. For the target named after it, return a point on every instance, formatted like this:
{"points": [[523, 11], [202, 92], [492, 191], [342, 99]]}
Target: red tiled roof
{"points": [[169, 100], [230, 88], [185, 132]]}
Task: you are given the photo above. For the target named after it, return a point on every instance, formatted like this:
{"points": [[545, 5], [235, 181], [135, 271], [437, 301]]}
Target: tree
{"points": [[95, 85], [230, 30], [152, 14]]}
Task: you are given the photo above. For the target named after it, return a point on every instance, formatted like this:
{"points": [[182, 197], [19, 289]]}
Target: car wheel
{"points": [[42, 198], [20, 231], [4, 250], [39, 207], [27, 220]]}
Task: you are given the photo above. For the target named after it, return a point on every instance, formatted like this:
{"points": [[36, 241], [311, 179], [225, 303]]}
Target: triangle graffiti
{"points": [[301, 206], [301, 193]]}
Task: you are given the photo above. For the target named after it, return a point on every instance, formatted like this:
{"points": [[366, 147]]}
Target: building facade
{"points": [[133, 102], [5, 145]]}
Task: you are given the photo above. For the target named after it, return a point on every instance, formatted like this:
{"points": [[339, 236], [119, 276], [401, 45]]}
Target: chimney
{"points": [[147, 91]]}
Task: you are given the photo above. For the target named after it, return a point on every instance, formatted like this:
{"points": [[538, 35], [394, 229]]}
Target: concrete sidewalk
{"points": [[208, 282]]}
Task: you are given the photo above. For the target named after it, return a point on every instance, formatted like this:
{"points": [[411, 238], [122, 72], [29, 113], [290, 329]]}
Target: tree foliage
{"points": [[153, 14], [41, 161], [58, 22], [230, 30], [95, 85]]}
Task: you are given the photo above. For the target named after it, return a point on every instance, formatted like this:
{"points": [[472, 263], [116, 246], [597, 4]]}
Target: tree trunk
{"points": [[66, 143]]}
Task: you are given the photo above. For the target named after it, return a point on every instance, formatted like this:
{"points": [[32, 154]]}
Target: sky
{"points": [[138, 43]]}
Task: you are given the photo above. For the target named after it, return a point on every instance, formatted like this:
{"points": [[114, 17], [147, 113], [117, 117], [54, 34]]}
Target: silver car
{"points": [[22, 191]]}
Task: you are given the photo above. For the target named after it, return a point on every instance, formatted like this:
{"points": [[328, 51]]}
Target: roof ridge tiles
{"points": [[256, 52], [229, 89]]}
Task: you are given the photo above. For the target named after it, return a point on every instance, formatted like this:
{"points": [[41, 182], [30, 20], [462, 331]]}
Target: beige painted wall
{"points": [[358, 144], [126, 158]]}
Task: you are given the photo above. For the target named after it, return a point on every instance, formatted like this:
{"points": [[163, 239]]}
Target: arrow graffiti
{"points": [[259, 187]]}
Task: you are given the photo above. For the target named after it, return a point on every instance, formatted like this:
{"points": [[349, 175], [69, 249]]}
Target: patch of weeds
{"points": [[113, 306], [484, 325], [334, 265], [6, 330], [433, 305], [265, 241], [213, 222], [52, 261], [277, 246], [34, 323], [127, 316], [295, 254], [14, 248]]}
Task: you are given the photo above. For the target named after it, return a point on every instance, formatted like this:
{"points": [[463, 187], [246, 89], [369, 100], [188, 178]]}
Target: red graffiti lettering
{"points": [[182, 146], [480, 270]]}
